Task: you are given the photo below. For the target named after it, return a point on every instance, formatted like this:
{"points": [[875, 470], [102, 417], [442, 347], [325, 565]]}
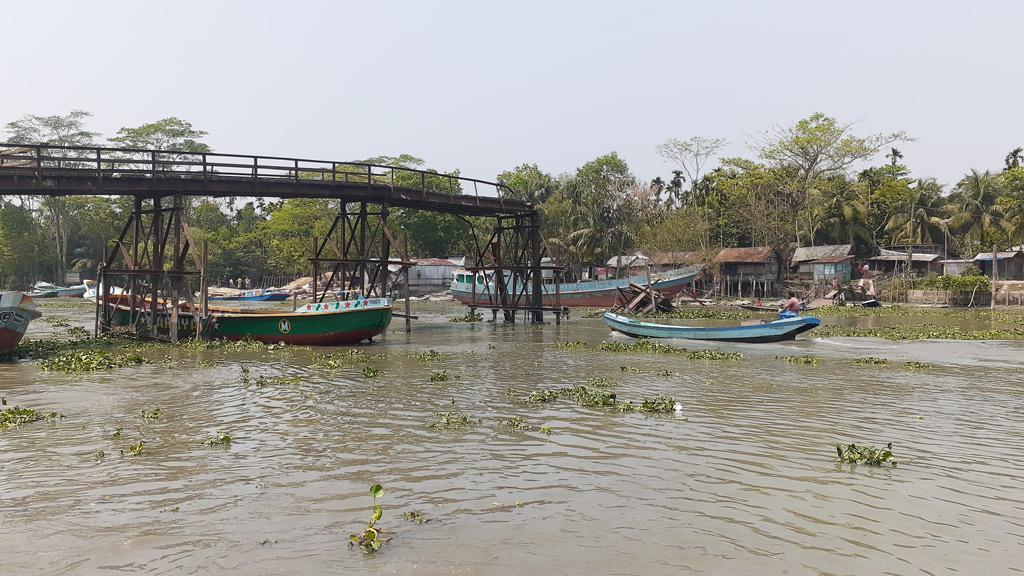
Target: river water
{"points": [[742, 481]]}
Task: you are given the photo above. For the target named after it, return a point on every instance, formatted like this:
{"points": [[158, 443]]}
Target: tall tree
{"points": [[976, 214], [1014, 158], [58, 130], [690, 157], [173, 134]]}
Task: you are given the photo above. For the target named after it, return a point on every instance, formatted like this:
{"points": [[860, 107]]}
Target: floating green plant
{"points": [[16, 416], [415, 516], [666, 372], [219, 439], [431, 356], [371, 372], [871, 361], [99, 454], [701, 314], [117, 434], [439, 376], [545, 430], [571, 345], [262, 381], [923, 331], [713, 355], [452, 421], [516, 424], [76, 332], [654, 405], [134, 449], [599, 382], [91, 360], [336, 360], [57, 322], [468, 317], [153, 414], [808, 360], [583, 395], [633, 369], [369, 541], [915, 365], [868, 455], [640, 345]]}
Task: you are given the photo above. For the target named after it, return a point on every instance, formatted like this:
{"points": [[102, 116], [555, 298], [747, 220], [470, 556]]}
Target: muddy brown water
{"points": [[743, 481]]}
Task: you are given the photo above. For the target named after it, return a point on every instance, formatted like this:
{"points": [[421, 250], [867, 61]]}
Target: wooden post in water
{"points": [[995, 264], [316, 269], [405, 273], [650, 289]]}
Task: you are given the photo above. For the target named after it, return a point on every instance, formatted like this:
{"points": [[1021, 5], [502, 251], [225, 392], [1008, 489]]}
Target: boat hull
{"points": [[328, 324], [597, 294], [774, 331], [275, 297], [16, 311]]}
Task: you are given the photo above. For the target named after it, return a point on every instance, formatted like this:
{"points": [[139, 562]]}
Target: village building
{"points": [[748, 272], [891, 261], [1009, 265], [805, 256], [664, 261]]}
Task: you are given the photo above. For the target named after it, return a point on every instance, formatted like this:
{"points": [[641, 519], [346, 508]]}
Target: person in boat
{"points": [[792, 307]]}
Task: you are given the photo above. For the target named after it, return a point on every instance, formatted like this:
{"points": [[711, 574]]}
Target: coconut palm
{"points": [[976, 215], [1014, 158], [919, 220]]}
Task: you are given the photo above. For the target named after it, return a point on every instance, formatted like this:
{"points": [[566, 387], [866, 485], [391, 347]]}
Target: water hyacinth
{"points": [[871, 361], [452, 421], [713, 355], [219, 439], [370, 541], [16, 416], [867, 455], [439, 376], [91, 360], [808, 360], [468, 317], [640, 345]]}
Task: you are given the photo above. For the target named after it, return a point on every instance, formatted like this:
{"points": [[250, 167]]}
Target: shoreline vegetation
{"points": [[813, 182]]}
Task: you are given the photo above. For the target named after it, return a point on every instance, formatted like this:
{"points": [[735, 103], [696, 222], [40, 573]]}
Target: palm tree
{"points": [[1014, 158], [975, 211], [919, 220]]}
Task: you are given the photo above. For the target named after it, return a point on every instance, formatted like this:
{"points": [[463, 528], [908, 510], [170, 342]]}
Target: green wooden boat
{"points": [[324, 324]]}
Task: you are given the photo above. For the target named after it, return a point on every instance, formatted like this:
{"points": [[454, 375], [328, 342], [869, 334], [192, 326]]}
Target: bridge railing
{"points": [[42, 161]]}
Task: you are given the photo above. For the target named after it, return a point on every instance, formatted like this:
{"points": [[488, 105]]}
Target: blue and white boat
{"points": [[257, 295], [766, 331]]}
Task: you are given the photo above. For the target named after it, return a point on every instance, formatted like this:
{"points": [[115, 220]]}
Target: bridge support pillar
{"points": [[148, 263]]}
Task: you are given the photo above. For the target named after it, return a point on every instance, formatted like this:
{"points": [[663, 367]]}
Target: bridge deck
{"points": [[73, 170]]}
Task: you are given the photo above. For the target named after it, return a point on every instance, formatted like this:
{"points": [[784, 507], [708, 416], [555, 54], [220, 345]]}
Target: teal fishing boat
{"points": [[765, 331]]}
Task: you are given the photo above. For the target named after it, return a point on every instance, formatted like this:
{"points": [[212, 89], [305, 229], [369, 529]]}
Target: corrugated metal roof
{"points": [[894, 256], [434, 262], [663, 258], [999, 255], [755, 255], [833, 259], [808, 253], [627, 260]]}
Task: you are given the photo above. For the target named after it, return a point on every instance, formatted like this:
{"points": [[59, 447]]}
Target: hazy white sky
{"points": [[483, 86]]}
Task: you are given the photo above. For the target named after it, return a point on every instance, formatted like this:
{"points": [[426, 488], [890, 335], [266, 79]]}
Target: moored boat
{"points": [[595, 293], [323, 324], [47, 290], [766, 331], [16, 311], [258, 295]]}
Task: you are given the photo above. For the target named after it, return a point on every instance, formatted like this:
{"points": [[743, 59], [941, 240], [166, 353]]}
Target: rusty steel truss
{"points": [[155, 262]]}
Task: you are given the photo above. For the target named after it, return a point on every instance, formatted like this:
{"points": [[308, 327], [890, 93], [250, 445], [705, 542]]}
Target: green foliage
{"points": [[219, 439], [452, 421], [468, 317], [431, 356], [516, 424], [871, 361], [571, 345], [868, 455], [153, 414], [583, 395], [641, 345], [415, 516], [713, 355], [956, 284], [807, 360], [369, 541], [166, 134], [134, 449], [16, 416], [658, 404], [91, 360], [371, 372], [439, 376]]}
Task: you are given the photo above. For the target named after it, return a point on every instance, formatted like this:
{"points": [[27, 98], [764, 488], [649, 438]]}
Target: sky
{"points": [[484, 86]]}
